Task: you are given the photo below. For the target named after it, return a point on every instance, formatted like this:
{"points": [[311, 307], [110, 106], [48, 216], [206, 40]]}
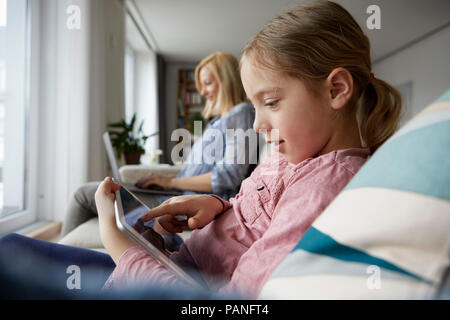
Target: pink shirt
{"points": [[263, 223]]}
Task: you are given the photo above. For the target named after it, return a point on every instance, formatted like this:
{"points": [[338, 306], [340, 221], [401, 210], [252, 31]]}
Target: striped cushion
{"points": [[387, 234]]}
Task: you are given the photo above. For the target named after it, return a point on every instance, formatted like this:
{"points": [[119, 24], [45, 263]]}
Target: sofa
{"points": [[385, 236]]}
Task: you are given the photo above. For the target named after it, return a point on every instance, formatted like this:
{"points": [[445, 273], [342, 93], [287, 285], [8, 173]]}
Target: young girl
{"points": [[308, 75]]}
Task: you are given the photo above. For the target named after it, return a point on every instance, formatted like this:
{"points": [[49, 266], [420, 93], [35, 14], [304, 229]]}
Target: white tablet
{"points": [[128, 210]]}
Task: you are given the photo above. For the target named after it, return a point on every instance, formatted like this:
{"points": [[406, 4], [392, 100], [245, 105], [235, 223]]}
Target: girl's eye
{"points": [[271, 104]]}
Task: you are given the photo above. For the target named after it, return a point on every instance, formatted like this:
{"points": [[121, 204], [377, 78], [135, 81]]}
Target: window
{"points": [[14, 77], [3, 15], [2, 127], [129, 83], [141, 90]]}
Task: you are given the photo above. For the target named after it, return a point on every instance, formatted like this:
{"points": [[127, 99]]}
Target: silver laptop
{"points": [[116, 174]]}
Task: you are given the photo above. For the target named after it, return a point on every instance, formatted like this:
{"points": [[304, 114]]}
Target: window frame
{"points": [[29, 215]]}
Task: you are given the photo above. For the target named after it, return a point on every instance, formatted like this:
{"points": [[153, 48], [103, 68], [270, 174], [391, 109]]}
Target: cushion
{"points": [[86, 235], [387, 234]]}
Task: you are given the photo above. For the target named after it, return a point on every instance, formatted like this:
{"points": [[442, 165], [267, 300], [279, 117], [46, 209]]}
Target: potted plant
{"points": [[128, 141]]}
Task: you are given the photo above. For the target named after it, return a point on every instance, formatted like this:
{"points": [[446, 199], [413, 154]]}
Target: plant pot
{"points": [[133, 157]]}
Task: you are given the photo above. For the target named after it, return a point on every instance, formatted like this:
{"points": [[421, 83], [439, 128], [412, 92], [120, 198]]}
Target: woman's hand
{"points": [[104, 199], [150, 179], [199, 210]]}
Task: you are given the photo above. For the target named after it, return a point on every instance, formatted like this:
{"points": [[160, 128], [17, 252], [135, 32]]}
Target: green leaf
{"points": [[124, 139], [140, 127]]}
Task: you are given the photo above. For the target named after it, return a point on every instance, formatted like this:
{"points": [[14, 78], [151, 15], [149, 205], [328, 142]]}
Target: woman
{"points": [[218, 80]]}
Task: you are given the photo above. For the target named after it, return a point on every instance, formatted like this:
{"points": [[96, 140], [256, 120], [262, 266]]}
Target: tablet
{"points": [[128, 211]]}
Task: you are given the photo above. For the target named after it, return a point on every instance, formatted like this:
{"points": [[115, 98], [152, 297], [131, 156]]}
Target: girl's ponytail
{"points": [[379, 113]]}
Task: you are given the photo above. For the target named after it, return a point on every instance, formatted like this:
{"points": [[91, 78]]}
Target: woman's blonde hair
{"points": [[225, 69], [309, 41]]}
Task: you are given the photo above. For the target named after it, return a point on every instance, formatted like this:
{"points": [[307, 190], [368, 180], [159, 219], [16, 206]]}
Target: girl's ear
{"points": [[339, 85]]}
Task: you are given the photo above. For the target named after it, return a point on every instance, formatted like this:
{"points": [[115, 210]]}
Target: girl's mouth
{"points": [[276, 143]]}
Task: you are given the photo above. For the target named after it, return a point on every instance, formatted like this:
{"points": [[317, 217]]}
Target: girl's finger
{"points": [[201, 219], [109, 186], [115, 187], [173, 209], [104, 186]]}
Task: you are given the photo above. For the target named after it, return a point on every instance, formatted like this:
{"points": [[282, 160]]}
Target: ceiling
{"points": [[189, 30]]}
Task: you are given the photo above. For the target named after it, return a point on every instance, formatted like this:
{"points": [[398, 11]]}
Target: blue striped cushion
{"points": [[387, 234]]}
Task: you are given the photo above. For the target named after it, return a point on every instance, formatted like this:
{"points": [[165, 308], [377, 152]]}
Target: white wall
{"points": [[107, 92], [146, 99], [426, 64]]}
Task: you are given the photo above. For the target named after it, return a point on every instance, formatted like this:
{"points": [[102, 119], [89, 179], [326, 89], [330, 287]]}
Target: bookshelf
{"points": [[189, 101]]}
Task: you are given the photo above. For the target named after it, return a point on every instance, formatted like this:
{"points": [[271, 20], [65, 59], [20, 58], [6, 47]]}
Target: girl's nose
{"points": [[260, 124]]}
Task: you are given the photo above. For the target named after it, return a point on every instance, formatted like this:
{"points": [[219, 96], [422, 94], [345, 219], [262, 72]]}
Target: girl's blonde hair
{"points": [[225, 69], [309, 41]]}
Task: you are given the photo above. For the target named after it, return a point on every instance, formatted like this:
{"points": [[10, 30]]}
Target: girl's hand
{"points": [[104, 199], [199, 209], [115, 242], [150, 179]]}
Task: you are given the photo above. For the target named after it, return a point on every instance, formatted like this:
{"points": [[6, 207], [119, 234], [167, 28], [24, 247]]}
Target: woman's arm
{"points": [[201, 182]]}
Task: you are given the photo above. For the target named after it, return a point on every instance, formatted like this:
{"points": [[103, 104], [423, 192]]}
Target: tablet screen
{"points": [[133, 210]]}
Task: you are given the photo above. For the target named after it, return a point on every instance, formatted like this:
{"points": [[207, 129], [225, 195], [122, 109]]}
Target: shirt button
{"points": [[260, 188]]}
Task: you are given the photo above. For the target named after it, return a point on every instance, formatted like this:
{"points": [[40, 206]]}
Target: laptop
{"points": [[116, 174]]}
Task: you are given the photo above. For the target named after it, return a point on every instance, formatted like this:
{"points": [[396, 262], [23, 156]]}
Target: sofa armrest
{"points": [[132, 173]]}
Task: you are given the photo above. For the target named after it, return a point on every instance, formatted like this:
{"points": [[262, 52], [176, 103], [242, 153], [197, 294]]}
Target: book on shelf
{"points": [[180, 122], [180, 107], [191, 97], [187, 76]]}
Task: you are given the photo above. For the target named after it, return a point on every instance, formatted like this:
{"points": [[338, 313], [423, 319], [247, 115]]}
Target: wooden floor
{"points": [[48, 232]]}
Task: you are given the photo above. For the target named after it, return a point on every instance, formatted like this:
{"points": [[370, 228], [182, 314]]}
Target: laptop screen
{"points": [[111, 156]]}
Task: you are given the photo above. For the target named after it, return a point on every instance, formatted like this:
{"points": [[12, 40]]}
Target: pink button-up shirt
{"points": [[261, 224]]}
